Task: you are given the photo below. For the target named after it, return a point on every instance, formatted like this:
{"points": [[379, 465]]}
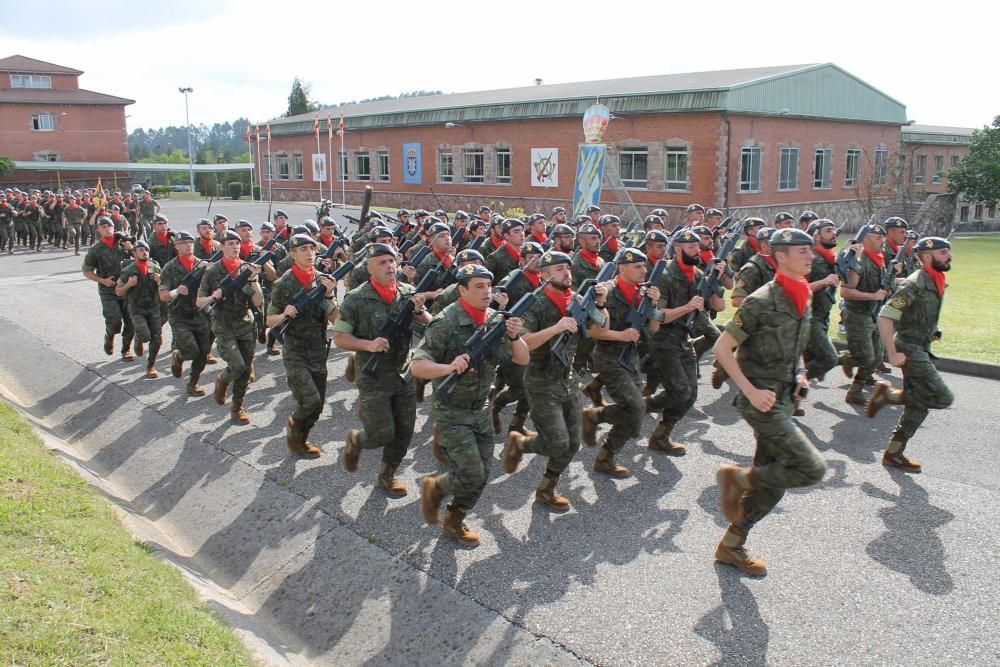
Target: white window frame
{"points": [[502, 174], [283, 166], [43, 122], [633, 153], [30, 81], [938, 169], [852, 167], [788, 169], [823, 169], [750, 164], [473, 160], [342, 164], [919, 169], [445, 175], [955, 160], [382, 165], [298, 167], [679, 156], [362, 166], [880, 166]]}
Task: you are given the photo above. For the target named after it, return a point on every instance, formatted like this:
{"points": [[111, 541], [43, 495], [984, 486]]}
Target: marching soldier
{"points": [[206, 246], [908, 324], [450, 293], [139, 284], [73, 216], [508, 256], [387, 402], [806, 219], [820, 355], [189, 328], [783, 220], [563, 238], [466, 432], [147, 209], [587, 263], [610, 229], [748, 247], [221, 225], [769, 333], [103, 264], [695, 215]]}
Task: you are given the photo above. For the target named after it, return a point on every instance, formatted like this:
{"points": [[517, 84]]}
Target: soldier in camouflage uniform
{"points": [[102, 264], [908, 324], [232, 322], [147, 208], [189, 328], [770, 330], [305, 347], [551, 387], [563, 239], [439, 239], [161, 249], [587, 263], [806, 219], [205, 246], [73, 216], [220, 224], [139, 283], [450, 293], [823, 280], [467, 436], [387, 403], [508, 256], [624, 384], [610, 230], [670, 348], [748, 247], [31, 215]]}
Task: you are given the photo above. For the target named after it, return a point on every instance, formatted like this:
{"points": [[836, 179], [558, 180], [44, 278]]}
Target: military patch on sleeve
{"points": [[740, 283], [738, 321], [899, 301]]}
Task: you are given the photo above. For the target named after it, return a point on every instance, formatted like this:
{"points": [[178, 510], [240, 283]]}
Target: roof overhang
{"points": [[159, 167]]}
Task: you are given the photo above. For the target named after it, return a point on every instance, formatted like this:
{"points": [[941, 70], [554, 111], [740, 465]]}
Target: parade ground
{"points": [[311, 564]]}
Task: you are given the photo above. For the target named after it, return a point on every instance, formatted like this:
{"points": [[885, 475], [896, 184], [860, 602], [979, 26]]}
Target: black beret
{"points": [[553, 257], [437, 228], [753, 222], [652, 220], [469, 255], [655, 236], [535, 217], [790, 237], [373, 214], [311, 226], [115, 207], [876, 229], [687, 236], [629, 256], [461, 215], [695, 207], [204, 221], [183, 236], [402, 212], [593, 208], [484, 208], [104, 221], [808, 215], [609, 220], [159, 217], [781, 217], [244, 223], [141, 244], [379, 231], [558, 209], [380, 250], [659, 212], [581, 219], [328, 222], [588, 228], [562, 230], [230, 235], [764, 234], [440, 213], [420, 213], [219, 216], [895, 223], [713, 213], [470, 271], [300, 229], [280, 214], [817, 225], [509, 224], [299, 240], [928, 243], [701, 230], [267, 227], [911, 234], [531, 248]]}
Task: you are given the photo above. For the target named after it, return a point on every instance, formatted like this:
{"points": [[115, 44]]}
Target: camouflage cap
{"points": [[789, 237], [299, 240], [553, 257], [929, 243], [629, 256]]}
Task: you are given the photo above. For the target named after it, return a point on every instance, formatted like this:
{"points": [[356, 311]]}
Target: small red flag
{"points": [[316, 127], [267, 128]]}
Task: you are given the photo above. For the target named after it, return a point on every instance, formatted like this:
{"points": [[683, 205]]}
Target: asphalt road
{"points": [[869, 567]]}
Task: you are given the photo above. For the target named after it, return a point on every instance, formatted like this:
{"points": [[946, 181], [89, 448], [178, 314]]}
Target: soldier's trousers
{"points": [[34, 234], [678, 372], [305, 369], [59, 235], [820, 355], [923, 390], [116, 318], [555, 411], [625, 414], [513, 375], [864, 346], [191, 339], [148, 327], [76, 231], [708, 332], [6, 237], [467, 439], [21, 232], [584, 351], [784, 459], [238, 355], [388, 415]]}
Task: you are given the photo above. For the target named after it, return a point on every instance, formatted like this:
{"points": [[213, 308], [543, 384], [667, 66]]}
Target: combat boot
{"points": [[734, 481], [455, 528], [140, 349], [799, 411], [193, 389], [210, 359], [176, 363], [855, 394], [237, 413], [436, 445], [352, 450], [605, 462], [297, 441], [660, 441], [350, 373], [430, 498], [151, 372], [546, 495], [592, 390], [719, 375], [127, 354], [387, 480], [517, 424], [513, 450], [589, 419], [253, 373], [844, 365], [109, 344], [221, 387], [893, 457], [881, 396], [495, 412], [731, 552]]}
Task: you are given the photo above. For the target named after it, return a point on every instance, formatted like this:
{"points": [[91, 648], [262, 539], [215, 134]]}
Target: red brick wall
{"points": [[930, 151]]}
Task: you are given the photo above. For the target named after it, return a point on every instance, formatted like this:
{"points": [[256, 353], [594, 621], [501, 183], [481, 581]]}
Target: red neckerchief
{"points": [[284, 232], [387, 294], [706, 256], [937, 277], [495, 243], [186, 262], [73, 206], [591, 258], [326, 240], [515, 253], [541, 237], [116, 217], [444, 258], [478, 316], [206, 244], [143, 266], [686, 269], [770, 262], [752, 242], [628, 290], [304, 276], [231, 266], [877, 258], [164, 237], [533, 278], [796, 289], [246, 247], [108, 241], [892, 246], [612, 245], [560, 298], [826, 254]]}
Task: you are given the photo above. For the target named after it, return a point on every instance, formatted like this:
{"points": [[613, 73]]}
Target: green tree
{"points": [[6, 165], [977, 177], [298, 99]]}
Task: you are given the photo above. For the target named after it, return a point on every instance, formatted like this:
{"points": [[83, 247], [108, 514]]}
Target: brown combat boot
{"points": [[893, 457], [152, 373], [882, 396], [127, 355], [430, 498], [719, 375], [731, 552], [253, 372], [512, 452], [350, 373], [109, 344], [176, 364], [855, 394], [237, 413], [297, 441], [546, 495], [387, 480], [194, 389], [734, 481], [221, 387], [660, 441], [799, 411], [211, 359], [592, 390], [517, 424], [455, 528], [352, 450], [589, 419], [495, 412], [605, 462], [436, 445], [845, 365], [140, 349]]}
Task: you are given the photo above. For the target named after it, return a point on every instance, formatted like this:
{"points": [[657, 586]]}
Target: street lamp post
{"points": [[187, 120]]}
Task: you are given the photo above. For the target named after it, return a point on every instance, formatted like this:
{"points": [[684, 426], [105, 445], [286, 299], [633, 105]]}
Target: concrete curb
{"points": [[979, 369]]}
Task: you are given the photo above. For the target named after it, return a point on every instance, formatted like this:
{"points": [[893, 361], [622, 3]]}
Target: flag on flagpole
{"points": [[329, 127], [316, 127], [258, 133], [267, 128], [340, 125], [246, 135]]}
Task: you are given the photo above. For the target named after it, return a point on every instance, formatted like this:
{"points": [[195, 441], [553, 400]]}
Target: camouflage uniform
{"points": [[511, 374], [162, 252], [445, 298], [582, 271], [741, 254], [189, 328], [820, 356], [201, 253], [107, 263], [144, 307], [387, 402], [500, 263], [753, 275], [233, 327], [864, 347], [74, 217]]}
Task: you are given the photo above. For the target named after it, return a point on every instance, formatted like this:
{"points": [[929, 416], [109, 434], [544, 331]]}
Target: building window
{"points": [[963, 214], [282, 167], [788, 169], [297, 169], [823, 168], [852, 167], [938, 169], [881, 167], [676, 170], [473, 166], [503, 165], [30, 81], [919, 168], [362, 167], [979, 211], [955, 159], [446, 169], [42, 122], [990, 212], [632, 167], [47, 157], [342, 161], [383, 165], [750, 170]]}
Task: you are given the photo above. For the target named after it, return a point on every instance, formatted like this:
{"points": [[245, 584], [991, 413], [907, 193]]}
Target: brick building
{"points": [[761, 140], [46, 116]]}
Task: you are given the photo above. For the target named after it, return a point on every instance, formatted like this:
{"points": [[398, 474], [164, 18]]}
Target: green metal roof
{"points": [[41, 165], [937, 134]]}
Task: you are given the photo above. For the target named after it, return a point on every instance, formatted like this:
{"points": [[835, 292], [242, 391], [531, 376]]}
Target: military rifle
{"points": [[847, 261], [303, 300], [583, 309], [709, 281], [229, 285], [638, 316], [193, 279]]}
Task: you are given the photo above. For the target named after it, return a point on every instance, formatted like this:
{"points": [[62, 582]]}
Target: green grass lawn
{"points": [[75, 588]]}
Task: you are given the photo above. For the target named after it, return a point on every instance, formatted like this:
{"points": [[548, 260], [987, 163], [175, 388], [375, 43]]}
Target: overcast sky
{"points": [[241, 57]]}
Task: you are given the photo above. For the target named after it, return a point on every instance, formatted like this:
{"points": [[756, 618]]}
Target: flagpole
{"points": [[318, 150], [343, 179], [250, 148], [260, 173], [270, 168], [329, 148]]}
